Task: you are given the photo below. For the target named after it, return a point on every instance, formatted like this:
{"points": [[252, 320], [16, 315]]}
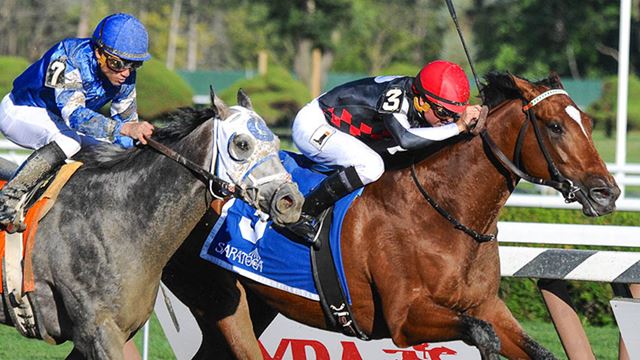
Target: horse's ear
{"points": [[219, 107], [554, 81], [527, 89], [243, 100]]}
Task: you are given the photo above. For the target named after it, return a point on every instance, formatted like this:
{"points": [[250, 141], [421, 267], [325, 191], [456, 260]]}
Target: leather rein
{"points": [[220, 187], [565, 186]]}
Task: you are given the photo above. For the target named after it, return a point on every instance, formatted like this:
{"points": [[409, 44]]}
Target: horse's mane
{"points": [[181, 122], [499, 87]]}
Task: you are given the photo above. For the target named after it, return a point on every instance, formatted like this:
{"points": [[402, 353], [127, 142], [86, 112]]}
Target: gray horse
{"points": [[6, 168], [100, 251]]}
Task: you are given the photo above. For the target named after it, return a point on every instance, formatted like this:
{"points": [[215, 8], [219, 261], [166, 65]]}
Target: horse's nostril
{"points": [[601, 193], [284, 203]]}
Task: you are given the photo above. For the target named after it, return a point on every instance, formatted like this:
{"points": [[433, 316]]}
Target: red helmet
{"points": [[443, 83]]}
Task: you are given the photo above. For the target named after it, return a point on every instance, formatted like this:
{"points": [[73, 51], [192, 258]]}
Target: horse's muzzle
{"points": [[286, 204], [598, 196]]}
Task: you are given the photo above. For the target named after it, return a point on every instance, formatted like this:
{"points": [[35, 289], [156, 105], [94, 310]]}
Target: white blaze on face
{"points": [[575, 115]]}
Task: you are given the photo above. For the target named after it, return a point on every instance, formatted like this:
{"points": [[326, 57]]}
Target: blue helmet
{"points": [[124, 36]]}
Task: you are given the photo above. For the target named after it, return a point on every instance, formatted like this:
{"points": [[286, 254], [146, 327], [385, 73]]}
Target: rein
{"points": [[223, 188], [456, 224], [557, 181]]}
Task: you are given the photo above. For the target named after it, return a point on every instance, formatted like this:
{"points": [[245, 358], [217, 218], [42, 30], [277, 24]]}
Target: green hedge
{"points": [[604, 110], [276, 96], [160, 90], [11, 66], [591, 299]]}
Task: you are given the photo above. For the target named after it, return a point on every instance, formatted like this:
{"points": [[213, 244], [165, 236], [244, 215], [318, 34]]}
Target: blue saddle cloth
{"points": [[242, 243]]}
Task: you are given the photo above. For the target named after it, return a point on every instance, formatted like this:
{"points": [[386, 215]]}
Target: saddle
{"points": [[16, 272], [239, 241]]}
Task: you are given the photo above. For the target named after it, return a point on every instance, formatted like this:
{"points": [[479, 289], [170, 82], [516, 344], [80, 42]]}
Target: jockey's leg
{"points": [[33, 128], [330, 190], [40, 164], [326, 145]]}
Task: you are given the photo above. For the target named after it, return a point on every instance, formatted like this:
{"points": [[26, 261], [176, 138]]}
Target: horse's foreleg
{"points": [[237, 329], [516, 344], [104, 342], [426, 321]]}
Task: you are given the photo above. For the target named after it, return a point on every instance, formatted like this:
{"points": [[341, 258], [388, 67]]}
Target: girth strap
{"points": [[332, 299]]}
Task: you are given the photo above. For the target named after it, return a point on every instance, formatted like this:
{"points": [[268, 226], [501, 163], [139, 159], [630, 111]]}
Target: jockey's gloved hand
{"points": [[481, 123], [469, 117], [137, 130]]}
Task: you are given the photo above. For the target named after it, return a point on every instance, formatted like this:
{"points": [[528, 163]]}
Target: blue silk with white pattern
{"points": [[242, 243]]}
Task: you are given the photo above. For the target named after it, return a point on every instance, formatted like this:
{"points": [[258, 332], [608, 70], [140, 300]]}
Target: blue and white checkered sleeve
{"points": [[71, 101]]}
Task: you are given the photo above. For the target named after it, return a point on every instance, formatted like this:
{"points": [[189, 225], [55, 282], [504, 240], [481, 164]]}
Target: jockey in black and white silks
{"points": [[352, 124]]}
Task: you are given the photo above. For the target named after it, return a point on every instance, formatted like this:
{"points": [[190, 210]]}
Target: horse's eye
{"points": [[555, 128], [241, 147]]}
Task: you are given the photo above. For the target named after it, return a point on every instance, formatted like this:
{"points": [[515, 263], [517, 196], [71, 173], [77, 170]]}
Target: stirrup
{"points": [[15, 226], [12, 218], [308, 228]]}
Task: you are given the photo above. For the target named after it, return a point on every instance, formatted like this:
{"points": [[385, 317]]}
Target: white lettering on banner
{"points": [[252, 233], [252, 259]]}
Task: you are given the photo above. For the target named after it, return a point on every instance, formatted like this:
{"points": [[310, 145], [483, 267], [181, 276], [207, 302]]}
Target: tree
{"points": [[384, 33], [531, 37]]}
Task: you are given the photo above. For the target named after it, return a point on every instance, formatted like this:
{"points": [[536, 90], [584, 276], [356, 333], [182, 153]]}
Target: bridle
{"points": [[569, 191], [557, 180], [217, 186]]}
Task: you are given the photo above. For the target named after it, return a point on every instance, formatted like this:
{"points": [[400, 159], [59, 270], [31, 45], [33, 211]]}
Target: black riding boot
{"points": [[40, 164], [315, 206]]}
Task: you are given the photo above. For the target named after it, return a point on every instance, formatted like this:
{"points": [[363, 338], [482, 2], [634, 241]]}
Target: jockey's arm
{"points": [[124, 110], [416, 138], [71, 103]]}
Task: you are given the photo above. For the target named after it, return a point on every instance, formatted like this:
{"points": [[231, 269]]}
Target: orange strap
{"points": [[32, 218], [2, 240]]}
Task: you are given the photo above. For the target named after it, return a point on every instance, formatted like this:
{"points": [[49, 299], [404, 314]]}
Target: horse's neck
{"points": [[464, 178], [152, 201], [181, 199]]}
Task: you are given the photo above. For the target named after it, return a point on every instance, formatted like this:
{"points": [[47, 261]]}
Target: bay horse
{"points": [[99, 252], [413, 276]]}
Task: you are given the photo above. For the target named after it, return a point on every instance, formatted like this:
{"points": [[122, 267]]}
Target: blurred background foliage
{"points": [[577, 39], [160, 90], [277, 94]]}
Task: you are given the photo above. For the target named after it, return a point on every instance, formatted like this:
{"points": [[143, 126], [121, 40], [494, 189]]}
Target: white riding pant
{"points": [[324, 144], [33, 127]]}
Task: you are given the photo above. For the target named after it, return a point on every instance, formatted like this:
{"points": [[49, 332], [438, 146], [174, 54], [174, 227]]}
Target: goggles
{"points": [[444, 115], [116, 64]]}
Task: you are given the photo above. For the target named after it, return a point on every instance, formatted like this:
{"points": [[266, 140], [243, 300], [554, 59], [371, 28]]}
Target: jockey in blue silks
{"points": [[53, 107]]}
